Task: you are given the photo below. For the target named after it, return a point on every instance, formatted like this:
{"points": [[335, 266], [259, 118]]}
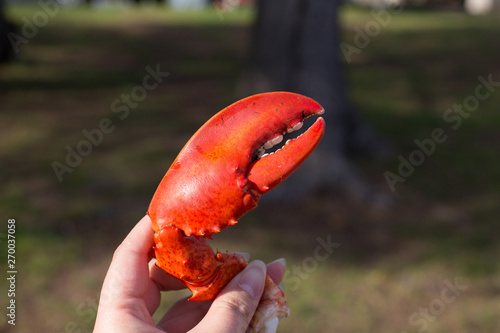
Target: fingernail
{"points": [[282, 261], [251, 279]]}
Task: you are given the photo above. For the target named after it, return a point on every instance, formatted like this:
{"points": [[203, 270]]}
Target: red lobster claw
{"points": [[219, 176]]}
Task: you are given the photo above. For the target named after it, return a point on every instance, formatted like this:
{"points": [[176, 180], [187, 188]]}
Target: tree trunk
{"points": [[6, 50], [296, 48]]}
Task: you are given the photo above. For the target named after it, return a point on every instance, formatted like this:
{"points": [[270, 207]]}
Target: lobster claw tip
{"points": [[269, 170]]}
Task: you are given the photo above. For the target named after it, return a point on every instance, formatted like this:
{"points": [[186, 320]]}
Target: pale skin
{"points": [[132, 289]]}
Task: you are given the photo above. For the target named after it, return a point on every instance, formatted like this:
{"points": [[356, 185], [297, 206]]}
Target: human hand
{"points": [[131, 293]]}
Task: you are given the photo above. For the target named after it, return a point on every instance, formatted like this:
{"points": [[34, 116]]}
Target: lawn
{"points": [[428, 262]]}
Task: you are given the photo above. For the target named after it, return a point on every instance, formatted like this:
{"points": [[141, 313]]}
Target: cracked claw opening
{"points": [[269, 170]]}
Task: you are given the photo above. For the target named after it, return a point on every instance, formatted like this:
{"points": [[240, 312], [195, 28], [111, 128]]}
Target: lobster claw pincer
{"points": [[219, 176], [270, 170]]}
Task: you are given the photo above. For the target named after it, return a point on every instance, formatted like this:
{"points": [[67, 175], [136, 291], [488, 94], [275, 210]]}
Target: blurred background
{"points": [[392, 227]]}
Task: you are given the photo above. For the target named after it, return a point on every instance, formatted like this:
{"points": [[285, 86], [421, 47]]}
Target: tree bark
{"points": [[6, 27], [296, 48]]}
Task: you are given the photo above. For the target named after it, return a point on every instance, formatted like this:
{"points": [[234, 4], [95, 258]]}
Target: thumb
{"points": [[235, 306]]}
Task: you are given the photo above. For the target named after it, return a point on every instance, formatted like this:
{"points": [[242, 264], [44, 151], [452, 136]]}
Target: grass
{"points": [[391, 262]]}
